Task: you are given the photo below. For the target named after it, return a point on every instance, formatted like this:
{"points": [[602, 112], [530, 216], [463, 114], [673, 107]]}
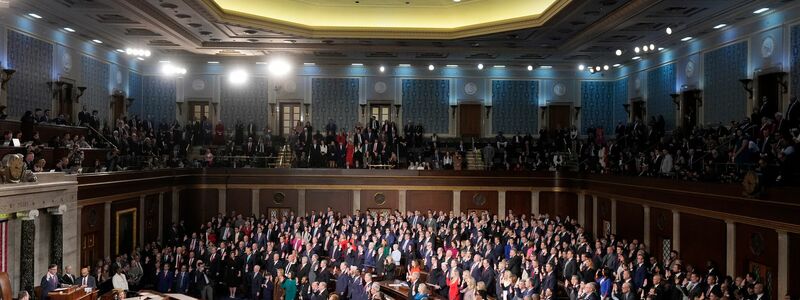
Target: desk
{"points": [[73, 293], [385, 167], [398, 290]]}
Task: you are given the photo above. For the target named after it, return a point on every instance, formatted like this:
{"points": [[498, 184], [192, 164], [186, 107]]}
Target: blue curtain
{"points": [[135, 92], [334, 98], [158, 99], [426, 102], [723, 99], [33, 60], [660, 84], [620, 98], [515, 104], [248, 104], [597, 101], [95, 77]]}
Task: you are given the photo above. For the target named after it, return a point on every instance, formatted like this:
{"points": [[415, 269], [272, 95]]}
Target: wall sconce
{"points": [[488, 110], [627, 107], [453, 110], [363, 108], [675, 101], [307, 105], [577, 111], [543, 110], [747, 83], [397, 110], [782, 81], [81, 90], [5, 77], [698, 96]]}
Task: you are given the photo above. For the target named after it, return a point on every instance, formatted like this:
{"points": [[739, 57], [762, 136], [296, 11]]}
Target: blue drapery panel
{"points": [[514, 105], [334, 98], [248, 104], [597, 101], [660, 84], [158, 99], [135, 92], [795, 60], [723, 99], [96, 97], [426, 102], [620, 98], [33, 60]]}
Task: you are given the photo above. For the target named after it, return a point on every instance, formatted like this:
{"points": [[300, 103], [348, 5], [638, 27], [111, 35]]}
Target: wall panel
{"points": [[336, 99], [794, 264], [92, 235], [515, 103], [518, 202], [660, 231], [427, 102], [119, 206], [698, 232], [660, 84], [391, 198], [757, 247], [167, 214], [341, 201], [246, 103], [151, 221], [267, 200], [158, 99], [33, 60], [479, 200], [560, 204], [597, 105], [723, 99], [198, 206], [588, 213], [95, 78], [239, 200], [603, 216], [429, 200], [135, 89], [630, 221]]}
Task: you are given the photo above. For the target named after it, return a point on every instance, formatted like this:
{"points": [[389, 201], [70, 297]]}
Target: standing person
{"points": [[233, 274], [256, 281], [49, 281], [290, 286], [202, 282], [454, 283]]}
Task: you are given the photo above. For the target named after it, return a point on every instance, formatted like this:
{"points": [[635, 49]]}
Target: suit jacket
{"points": [[570, 268], [549, 282], [164, 281], [90, 281], [255, 281], [413, 288], [48, 284], [68, 279], [628, 296], [182, 283]]}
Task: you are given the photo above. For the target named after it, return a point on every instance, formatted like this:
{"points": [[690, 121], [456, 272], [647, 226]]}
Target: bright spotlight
{"points": [[605, 67], [669, 30], [618, 52], [382, 69], [652, 47], [238, 76], [530, 68], [636, 49], [279, 67], [581, 67], [480, 66], [431, 67]]}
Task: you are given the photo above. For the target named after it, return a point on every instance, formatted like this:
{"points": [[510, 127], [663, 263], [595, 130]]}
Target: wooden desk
{"points": [[73, 293]]}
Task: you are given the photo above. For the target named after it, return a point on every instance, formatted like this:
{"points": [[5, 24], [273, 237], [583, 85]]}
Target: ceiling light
{"points": [[170, 70], [661, 48], [581, 67], [616, 65], [652, 47], [357, 64], [404, 65], [96, 41], [686, 39], [431, 67], [456, 1], [720, 26], [636, 49], [213, 62], [636, 58], [499, 66], [530, 68], [480, 66], [120, 51], [140, 58], [382, 69], [451, 66], [605, 67], [618, 52], [669, 30], [163, 61], [279, 67], [69, 29], [597, 68], [545, 67], [757, 11], [238, 76], [35, 16], [644, 48], [261, 63], [309, 64]]}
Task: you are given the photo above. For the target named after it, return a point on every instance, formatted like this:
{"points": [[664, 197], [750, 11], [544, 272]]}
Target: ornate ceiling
{"points": [[575, 31]]}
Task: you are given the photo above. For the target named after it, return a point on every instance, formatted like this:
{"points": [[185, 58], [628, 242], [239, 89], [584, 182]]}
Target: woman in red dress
{"points": [[454, 282], [349, 155], [219, 134]]}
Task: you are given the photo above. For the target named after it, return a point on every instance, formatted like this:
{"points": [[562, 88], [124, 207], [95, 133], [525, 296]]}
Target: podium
{"points": [[73, 293]]}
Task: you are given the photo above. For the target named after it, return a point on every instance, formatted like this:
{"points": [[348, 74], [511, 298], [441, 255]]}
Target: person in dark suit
{"points": [[570, 265], [625, 292], [86, 280], [182, 281], [164, 279], [49, 281], [413, 284], [550, 280], [202, 282], [68, 278], [255, 280], [343, 280], [515, 263], [640, 272]]}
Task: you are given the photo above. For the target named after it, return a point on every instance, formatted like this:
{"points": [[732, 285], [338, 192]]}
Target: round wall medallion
{"points": [[637, 84], [119, 77], [479, 199], [559, 89], [66, 62], [470, 88], [290, 86], [198, 84], [757, 243], [689, 68], [278, 197], [767, 47], [380, 87], [379, 198]]}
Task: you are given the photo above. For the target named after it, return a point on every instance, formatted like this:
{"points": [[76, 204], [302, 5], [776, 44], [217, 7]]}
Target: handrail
{"points": [[102, 136]]}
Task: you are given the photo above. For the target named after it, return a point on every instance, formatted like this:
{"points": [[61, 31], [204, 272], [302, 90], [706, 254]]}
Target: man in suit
{"points": [[713, 287], [182, 281], [343, 280], [550, 280], [570, 265], [49, 281], [164, 279], [255, 280], [640, 272], [626, 293], [86, 280], [68, 278], [202, 282], [793, 111], [413, 284]]}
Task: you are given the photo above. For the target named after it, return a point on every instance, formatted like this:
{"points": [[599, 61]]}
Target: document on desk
{"points": [[398, 284]]}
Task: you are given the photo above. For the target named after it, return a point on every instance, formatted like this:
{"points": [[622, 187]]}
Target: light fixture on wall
{"points": [[781, 77], [363, 108], [397, 110], [577, 111], [129, 102], [543, 110], [81, 92], [488, 110], [698, 96], [453, 110], [5, 77], [137, 52], [747, 84]]}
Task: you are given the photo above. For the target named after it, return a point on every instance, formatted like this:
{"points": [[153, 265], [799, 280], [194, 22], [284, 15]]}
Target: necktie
{"points": [[84, 282]]}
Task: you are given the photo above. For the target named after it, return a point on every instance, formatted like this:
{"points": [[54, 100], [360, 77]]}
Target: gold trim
{"points": [[135, 227], [115, 197]]}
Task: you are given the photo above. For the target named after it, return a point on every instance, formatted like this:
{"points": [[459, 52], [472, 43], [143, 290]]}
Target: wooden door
{"points": [[65, 102], [119, 107], [559, 117], [197, 110], [768, 98], [689, 109], [89, 249], [381, 112], [638, 110], [290, 115], [470, 120]]}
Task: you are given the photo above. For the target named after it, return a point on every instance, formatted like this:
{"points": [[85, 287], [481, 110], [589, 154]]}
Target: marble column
{"points": [[614, 216], [255, 206], [301, 202], [160, 217], [594, 216], [223, 201], [501, 204], [107, 229], [401, 195], [535, 203], [582, 208], [676, 230], [176, 205], [783, 262], [356, 200], [27, 244], [456, 203], [646, 210], [730, 246], [57, 235]]}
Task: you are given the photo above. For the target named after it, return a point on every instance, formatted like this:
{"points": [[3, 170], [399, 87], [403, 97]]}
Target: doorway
{"points": [[769, 94], [689, 106], [381, 112], [65, 101], [638, 110], [470, 120], [198, 110], [559, 117], [289, 116], [118, 106]]}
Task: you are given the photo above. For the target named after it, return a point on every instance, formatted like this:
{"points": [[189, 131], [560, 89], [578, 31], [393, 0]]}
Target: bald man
{"points": [[86, 280]]}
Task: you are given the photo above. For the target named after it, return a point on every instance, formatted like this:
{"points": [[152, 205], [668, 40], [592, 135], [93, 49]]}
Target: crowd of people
{"points": [[438, 255]]}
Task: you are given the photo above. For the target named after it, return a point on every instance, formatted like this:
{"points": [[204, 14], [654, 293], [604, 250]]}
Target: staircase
{"points": [[475, 160], [285, 157]]}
